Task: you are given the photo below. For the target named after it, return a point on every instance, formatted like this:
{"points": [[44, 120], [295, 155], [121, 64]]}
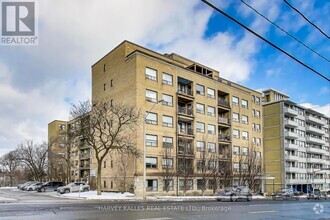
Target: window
{"points": [[236, 166], [62, 127], [253, 98], [211, 147], [152, 185], [200, 89], [167, 79], [258, 154], [245, 119], [245, 166], [167, 121], [200, 108], [253, 112], [104, 67], [235, 100], [151, 162], [257, 100], [111, 164], [111, 83], [245, 151], [151, 118], [167, 163], [201, 184], [211, 93], [235, 117], [253, 127], [200, 146], [151, 140], [211, 129], [167, 100], [235, 133], [253, 140], [151, 74], [104, 184], [104, 164], [210, 111], [236, 150], [185, 184], [169, 184], [244, 103], [257, 114], [167, 142], [151, 96], [245, 135], [200, 127], [104, 86], [111, 184], [258, 127], [258, 141], [211, 165]]}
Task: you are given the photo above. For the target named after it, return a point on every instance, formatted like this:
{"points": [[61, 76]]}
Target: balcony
{"points": [[291, 134], [84, 156], [186, 132], [315, 140], [292, 169], [291, 112], [290, 123], [291, 157], [315, 130], [296, 181], [223, 103], [315, 160], [186, 92], [290, 146], [224, 138], [312, 119], [84, 166], [224, 121], [314, 150], [187, 112]]}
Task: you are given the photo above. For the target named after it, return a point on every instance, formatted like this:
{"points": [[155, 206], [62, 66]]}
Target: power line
{"points": [[293, 37], [264, 39], [292, 7]]}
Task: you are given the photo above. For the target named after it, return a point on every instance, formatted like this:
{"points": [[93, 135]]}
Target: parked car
{"points": [[33, 186], [49, 186], [317, 194], [73, 187], [22, 187], [234, 193], [285, 194]]}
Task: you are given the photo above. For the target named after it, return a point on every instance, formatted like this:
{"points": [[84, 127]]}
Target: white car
{"points": [[73, 187], [33, 186]]}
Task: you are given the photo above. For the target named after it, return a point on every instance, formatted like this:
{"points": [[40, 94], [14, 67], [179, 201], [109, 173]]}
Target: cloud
{"points": [[324, 91], [324, 109]]}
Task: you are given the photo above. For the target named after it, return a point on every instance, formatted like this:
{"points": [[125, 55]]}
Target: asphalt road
{"points": [[35, 206]]}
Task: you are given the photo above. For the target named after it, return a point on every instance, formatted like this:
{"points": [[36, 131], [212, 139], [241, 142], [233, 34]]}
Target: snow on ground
{"points": [[103, 196], [8, 187], [130, 196]]}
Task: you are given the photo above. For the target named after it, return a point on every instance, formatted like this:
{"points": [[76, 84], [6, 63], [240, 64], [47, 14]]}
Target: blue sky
{"points": [[37, 84]]}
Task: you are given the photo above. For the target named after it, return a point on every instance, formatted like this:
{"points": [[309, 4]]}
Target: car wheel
{"points": [[249, 198], [85, 190], [67, 191], [233, 198], [43, 189], [219, 200]]}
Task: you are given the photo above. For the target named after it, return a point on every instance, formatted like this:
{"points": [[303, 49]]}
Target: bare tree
{"points": [[35, 158], [107, 127], [185, 168], [168, 172], [10, 165], [122, 180]]}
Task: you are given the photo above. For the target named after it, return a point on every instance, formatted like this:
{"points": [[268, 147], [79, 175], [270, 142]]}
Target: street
{"points": [[32, 205]]}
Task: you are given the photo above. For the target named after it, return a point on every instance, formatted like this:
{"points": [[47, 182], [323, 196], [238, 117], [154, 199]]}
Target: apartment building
{"points": [[296, 144], [193, 118]]}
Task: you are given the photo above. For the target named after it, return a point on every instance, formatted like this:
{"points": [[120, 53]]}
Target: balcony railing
{"points": [[84, 165], [223, 102], [290, 111], [315, 120], [223, 137], [315, 130], [188, 131], [185, 111], [185, 91], [185, 149], [223, 120]]}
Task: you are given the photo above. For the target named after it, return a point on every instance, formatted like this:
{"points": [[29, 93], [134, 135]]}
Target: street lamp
{"points": [[145, 149]]}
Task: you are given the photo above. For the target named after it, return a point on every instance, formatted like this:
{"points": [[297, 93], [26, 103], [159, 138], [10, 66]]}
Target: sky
{"points": [[38, 83]]}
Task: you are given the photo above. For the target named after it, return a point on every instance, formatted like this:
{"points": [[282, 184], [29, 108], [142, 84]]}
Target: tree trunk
{"points": [[98, 178]]}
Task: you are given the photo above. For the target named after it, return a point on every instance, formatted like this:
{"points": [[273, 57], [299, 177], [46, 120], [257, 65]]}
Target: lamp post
{"points": [[145, 149]]}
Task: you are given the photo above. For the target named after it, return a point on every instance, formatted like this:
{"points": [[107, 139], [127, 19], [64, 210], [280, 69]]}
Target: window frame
{"points": [[150, 77], [166, 82]]}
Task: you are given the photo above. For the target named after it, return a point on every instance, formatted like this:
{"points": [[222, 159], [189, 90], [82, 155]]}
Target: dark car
{"points": [[234, 193], [49, 186], [285, 194]]}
